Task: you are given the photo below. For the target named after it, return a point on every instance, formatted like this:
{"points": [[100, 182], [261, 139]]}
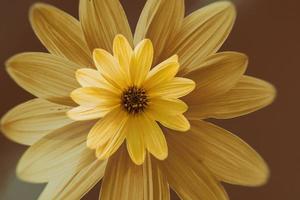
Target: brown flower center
{"points": [[134, 100]]}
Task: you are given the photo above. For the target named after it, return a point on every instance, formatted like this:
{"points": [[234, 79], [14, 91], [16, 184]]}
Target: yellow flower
{"points": [[139, 102], [129, 99]]}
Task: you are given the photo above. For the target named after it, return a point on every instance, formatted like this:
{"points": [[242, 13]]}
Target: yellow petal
{"points": [[250, 94], [135, 140], [32, 120], [53, 76], [101, 21], [106, 128], [109, 68], [162, 73], [75, 186], [82, 113], [62, 151], [216, 75], [154, 138], [93, 96], [123, 52], [127, 181], [112, 145], [60, 33], [186, 176], [202, 33], [141, 62], [93, 78], [158, 106], [159, 21], [175, 88], [176, 122], [228, 157]]}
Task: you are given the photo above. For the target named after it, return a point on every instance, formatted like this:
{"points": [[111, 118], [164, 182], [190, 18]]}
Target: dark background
{"points": [[267, 30]]}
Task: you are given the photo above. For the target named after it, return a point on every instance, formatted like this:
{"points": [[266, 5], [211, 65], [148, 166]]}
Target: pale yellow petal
{"points": [[141, 62], [122, 179], [32, 120], [159, 21], [175, 88], [44, 75], [135, 140], [75, 186], [83, 113], [60, 33], [228, 157], [54, 187], [174, 122], [106, 128], [189, 178], [161, 190], [154, 138], [94, 96], [62, 151], [162, 73], [101, 21], [123, 52], [109, 68], [250, 94], [133, 181], [216, 75], [202, 33]]}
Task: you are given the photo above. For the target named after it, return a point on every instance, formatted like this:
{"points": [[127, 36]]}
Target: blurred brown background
{"points": [[267, 30]]}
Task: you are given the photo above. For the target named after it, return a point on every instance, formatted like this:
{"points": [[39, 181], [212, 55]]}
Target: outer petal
{"points": [[186, 176], [54, 187], [44, 75], [159, 20], [175, 88], [32, 120], [161, 189], [125, 180], [202, 33], [101, 21], [162, 73], [75, 186], [141, 62], [62, 151], [216, 75], [250, 94], [228, 157], [106, 128], [60, 33]]}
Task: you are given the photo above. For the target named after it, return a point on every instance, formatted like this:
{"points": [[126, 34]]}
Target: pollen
{"points": [[134, 100]]}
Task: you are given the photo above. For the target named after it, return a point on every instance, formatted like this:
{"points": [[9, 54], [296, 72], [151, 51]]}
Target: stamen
{"points": [[134, 100]]}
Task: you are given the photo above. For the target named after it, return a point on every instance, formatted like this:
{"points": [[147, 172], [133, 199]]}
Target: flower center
{"points": [[134, 100]]}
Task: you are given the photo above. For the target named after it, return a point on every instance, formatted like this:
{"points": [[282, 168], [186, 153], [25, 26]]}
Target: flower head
{"points": [[130, 98], [139, 101]]}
